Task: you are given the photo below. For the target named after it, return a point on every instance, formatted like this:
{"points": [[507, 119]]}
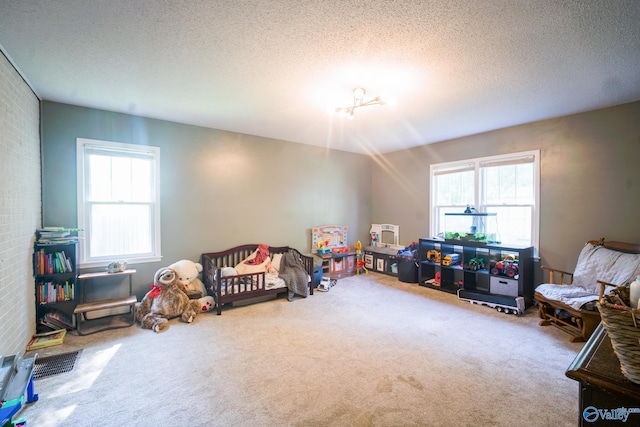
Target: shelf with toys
{"points": [[494, 275]]}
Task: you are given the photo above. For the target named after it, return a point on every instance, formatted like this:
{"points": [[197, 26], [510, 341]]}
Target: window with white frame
{"points": [[507, 185], [118, 202]]}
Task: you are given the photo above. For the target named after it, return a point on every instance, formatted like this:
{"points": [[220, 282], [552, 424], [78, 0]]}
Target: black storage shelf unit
{"points": [[56, 277], [381, 261], [482, 283]]}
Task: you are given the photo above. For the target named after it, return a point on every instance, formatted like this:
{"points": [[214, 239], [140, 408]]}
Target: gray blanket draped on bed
{"points": [[293, 273]]}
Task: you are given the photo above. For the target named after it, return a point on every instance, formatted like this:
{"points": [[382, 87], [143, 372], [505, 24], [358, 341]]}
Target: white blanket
{"points": [[573, 296], [235, 285]]}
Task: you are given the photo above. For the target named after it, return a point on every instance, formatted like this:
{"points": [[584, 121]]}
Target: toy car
{"points": [[507, 267], [450, 259], [433, 255], [326, 283], [475, 264]]}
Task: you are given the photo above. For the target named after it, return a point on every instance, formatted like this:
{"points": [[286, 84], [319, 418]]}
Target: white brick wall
{"points": [[20, 206]]}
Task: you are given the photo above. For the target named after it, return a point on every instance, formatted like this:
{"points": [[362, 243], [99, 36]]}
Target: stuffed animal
{"points": [[187, 272], [166, 300]]}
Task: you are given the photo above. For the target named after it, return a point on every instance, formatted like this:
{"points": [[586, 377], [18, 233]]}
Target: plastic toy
{"points": [[507, 267], [360, 262], [16, 384], [516, 308], [433, 255], [328, 237], [323, 248], [475, 264], [378, 230], [450, 259], [326, 284]]}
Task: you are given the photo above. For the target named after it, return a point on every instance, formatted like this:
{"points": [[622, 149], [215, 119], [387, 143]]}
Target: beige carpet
{"points": [[371, 352]]}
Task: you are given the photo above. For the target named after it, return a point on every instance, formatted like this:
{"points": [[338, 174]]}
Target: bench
{"points": [[83, 308], [567, 300]]}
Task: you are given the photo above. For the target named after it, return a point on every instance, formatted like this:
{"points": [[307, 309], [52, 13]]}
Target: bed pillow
{"points": [[228, 271], [275, 262], [243, 268]]}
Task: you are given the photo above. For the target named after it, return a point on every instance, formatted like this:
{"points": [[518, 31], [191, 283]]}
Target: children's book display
{"points": [[47, 339], [55, 260]]}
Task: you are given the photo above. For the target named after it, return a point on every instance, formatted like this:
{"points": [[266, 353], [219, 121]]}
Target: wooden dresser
{"points": [[606, 396]]}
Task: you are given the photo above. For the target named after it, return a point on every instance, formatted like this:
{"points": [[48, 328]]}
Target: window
{"points": [[506, 185], [118, 202]]}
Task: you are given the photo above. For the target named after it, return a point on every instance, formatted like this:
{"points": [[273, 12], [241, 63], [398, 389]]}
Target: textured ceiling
{"points": [[273, 68]]}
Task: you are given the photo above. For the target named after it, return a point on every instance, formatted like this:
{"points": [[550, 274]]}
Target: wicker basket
{"points": [[622, 324]]}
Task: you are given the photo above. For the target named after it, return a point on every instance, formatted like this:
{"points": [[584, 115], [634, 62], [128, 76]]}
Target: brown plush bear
{"points": [[165, 301]]}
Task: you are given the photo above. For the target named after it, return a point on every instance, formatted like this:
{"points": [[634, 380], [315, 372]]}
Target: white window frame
{"points": [[475, 165], [84, 259]]}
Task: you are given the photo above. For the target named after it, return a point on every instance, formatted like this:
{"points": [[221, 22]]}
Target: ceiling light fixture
{"points": [[358, 101]]}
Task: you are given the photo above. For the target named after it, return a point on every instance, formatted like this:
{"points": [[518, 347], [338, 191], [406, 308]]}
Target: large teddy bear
{"points": [[187, 272], [166, 300]]}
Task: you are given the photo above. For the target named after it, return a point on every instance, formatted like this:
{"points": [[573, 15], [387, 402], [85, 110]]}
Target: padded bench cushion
{"points": [[573, 296], [600, 263], [594, 263]]}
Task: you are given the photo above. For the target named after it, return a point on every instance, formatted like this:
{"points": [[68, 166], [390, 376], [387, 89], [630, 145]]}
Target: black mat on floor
{"points": [[55, 364]]}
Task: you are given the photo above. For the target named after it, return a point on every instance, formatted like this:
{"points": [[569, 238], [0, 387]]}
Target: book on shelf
{"points": [[58, 319], [48, 292], [53, 263], [56, 235], [46, 339]]}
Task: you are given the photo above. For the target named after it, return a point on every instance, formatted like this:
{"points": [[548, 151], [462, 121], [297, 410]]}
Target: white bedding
{"points": [[250, 283]]}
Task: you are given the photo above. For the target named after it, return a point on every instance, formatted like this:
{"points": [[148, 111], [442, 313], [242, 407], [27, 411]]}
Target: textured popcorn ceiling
{"points": [[273, 68]]}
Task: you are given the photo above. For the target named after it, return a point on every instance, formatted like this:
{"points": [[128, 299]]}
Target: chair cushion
{"points": [[600, 263], [594, 263], [573, 296]]}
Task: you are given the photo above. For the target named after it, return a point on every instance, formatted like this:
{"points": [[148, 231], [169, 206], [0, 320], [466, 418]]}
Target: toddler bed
{"points": [[251, 271]]}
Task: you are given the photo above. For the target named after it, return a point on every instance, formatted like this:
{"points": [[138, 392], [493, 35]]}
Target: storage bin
{"points": [[407, 270], [317, 275], [503, 286]]}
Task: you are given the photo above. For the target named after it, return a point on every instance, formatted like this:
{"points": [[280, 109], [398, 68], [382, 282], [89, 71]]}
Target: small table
{"points": [[602, 385], [84, 307]]}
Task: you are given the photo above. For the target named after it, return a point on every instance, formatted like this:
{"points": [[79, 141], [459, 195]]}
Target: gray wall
{"points": [[218, 189], [590, 179], [19, 207]]}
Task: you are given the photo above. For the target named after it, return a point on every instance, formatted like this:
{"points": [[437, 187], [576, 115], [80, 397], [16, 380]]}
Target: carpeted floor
{"points": [[372, 351]]}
